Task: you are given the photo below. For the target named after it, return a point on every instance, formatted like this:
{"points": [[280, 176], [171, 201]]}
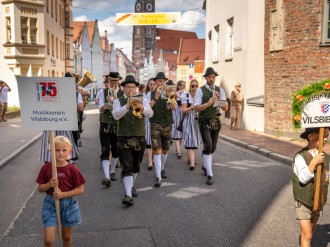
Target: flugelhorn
{"points": [[110, 99]]}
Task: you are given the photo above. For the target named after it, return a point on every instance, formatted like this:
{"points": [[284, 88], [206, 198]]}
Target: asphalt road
{"points": [[249, 204]]}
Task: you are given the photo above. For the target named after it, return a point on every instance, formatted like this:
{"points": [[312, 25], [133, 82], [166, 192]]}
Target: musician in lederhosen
{"points": [[108, 127], [161, 126], [209, 118], [130, 111]]}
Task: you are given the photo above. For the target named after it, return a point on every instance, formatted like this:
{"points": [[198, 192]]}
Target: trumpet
{"points": [[168, 93], [111, 98], [136, 105]]}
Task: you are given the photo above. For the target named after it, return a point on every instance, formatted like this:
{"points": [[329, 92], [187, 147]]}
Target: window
{"points": [[47, 6], [229, 39], [33, 30], [48, 42], [8, 30], [24, 29], [56, 10], [215, 43], [53, 45], [67, 18], [51, 8], [56, 47], [326, 22], [67, 51]]}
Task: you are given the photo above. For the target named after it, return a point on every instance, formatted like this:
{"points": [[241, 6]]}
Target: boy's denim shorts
{"points": [[69, 208]]}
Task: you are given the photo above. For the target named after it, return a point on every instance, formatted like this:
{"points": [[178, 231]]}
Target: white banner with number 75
{"points": [[48, 103]]}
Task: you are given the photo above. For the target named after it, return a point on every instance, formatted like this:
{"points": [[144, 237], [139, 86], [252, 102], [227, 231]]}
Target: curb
{"points": [[265, 152], [6, 160]]}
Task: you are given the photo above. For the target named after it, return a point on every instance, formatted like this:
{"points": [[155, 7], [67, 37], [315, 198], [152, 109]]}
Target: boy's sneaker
{"points": [[209, 180], [113, 177]]}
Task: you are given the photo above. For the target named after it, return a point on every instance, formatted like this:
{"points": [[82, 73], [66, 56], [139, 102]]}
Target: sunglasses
{"points": [[194, 86]]}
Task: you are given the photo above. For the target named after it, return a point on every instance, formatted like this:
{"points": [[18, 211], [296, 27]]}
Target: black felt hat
{"points": [[160, 75], [210, 71], [114, 76], [308, 131], [129, 79]]}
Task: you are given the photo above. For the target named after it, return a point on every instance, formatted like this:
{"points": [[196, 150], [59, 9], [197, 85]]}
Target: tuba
{"points": [[86, 79], [136, 105]]}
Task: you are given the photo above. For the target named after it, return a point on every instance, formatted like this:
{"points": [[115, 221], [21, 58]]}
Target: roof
{"points": [[191, 50], [78, 27], [170, 39]]}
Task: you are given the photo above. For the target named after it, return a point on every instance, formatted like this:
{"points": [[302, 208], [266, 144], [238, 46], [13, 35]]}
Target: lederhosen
{"points": [[209, 122], [108, 130], [161, 124], [131, 141]]}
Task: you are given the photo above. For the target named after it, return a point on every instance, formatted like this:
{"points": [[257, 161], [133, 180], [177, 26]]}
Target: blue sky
{"points": [[193, 17]]}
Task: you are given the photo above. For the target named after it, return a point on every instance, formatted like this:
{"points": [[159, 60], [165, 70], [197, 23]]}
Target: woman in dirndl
{"points": [[45, 153], [151, 86], [177, 116], [191, 135]]}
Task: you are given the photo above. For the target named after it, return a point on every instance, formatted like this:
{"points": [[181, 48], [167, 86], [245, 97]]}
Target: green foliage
{"points": [[302, 96]]}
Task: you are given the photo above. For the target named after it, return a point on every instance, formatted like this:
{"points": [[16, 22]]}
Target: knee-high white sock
{"points": [[134, 177], [208, 164], [113, 164], [128, 183], [106, 167], [163, 159], [158, 165]]}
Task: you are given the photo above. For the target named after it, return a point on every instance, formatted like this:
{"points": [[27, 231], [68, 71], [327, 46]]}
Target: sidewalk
{"points": [[14, 139], [279, 148]]}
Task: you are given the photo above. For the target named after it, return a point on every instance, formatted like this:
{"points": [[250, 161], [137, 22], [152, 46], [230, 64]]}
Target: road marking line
{"points": [[11, 226]]}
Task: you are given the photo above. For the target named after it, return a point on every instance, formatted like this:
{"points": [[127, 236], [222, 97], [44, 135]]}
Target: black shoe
{"points": [[204, 170], [134, 192], [158, 182], [179, 155], [79, 143], [163, 174], [192, 167], [113, 177], [149, 167], [128, 201], [106, 182], [209, 180]]}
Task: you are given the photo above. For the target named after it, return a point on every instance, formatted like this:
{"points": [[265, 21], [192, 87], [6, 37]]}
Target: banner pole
{"points": [[54, 169]]}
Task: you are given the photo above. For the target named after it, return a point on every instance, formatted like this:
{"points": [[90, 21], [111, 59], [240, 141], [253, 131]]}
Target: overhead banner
{"points": [[143, 19], [48, 103]]}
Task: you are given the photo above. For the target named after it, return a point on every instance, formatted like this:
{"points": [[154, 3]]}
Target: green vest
{"points": [[106, 116], [304, 192], [209, 112], [130, 125], [162, 115]]}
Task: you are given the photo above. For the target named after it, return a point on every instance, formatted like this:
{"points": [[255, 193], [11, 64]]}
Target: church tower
{"points": [[144, 37]]}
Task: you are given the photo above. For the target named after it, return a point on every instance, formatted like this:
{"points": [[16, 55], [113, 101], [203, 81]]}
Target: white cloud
{"points": [[81, 18], [190, 20]]}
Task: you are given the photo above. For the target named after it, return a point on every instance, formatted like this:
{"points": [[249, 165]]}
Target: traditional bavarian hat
{"points": [[160, 75], [210, 71], [129, 79], [308, 131], [114, 76]]}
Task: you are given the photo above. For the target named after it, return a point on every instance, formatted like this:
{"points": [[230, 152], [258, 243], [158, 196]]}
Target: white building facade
{"points": [[234, 47]]}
